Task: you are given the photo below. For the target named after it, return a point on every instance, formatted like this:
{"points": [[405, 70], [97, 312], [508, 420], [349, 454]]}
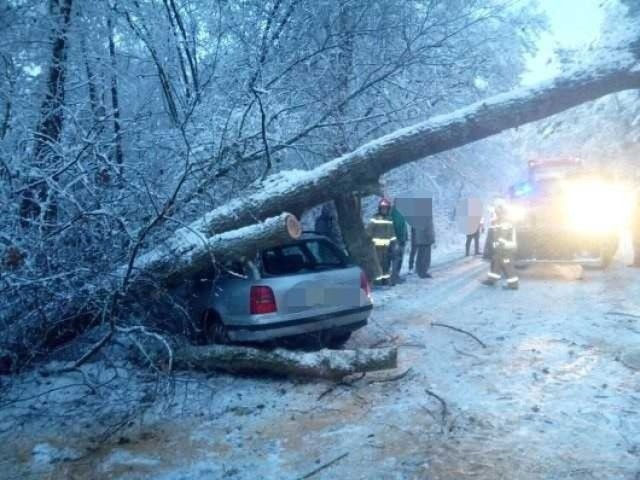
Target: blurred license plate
{"points": [[335, 296]]}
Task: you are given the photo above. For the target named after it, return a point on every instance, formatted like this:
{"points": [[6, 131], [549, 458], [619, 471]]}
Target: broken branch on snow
{"points": [[327, 364], [456, 329], [323, 466], [442, 403]]}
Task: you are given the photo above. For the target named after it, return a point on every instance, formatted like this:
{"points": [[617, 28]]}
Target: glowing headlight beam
{"points": [[597, 207], [516, 213]]}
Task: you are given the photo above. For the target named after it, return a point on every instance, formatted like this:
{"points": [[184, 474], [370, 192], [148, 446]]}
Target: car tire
{"points": [[605, 261], [337, 340], [213, 330], [608, 251]]}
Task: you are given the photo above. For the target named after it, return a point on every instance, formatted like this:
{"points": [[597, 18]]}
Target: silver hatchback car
{"points": [[306, 286]]}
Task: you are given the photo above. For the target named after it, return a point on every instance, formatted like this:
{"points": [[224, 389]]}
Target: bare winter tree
{"points": [[37, 202]]}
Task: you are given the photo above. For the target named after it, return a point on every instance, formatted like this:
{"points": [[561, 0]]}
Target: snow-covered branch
{"points": [[299, 190]]}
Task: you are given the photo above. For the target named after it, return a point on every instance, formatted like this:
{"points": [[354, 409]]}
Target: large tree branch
{"points": [[189, 252], [299, 190]]}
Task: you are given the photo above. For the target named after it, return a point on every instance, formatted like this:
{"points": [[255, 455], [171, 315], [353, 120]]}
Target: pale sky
{"points": [[574, 24]]}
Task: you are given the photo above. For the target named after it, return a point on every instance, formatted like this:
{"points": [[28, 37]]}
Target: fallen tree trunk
{"points": [[189, 251], [298, 190], [181, 255], [291, 190], [327, 364]]}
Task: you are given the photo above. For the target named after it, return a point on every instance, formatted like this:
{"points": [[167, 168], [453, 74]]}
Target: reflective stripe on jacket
{"points": [[504, 236], [381, 230]]}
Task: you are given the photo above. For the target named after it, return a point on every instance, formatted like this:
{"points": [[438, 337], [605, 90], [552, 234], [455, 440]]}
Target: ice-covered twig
{"points": [[392, 378], [160, 338], [323, 466], [456, 329], [445, 411]]}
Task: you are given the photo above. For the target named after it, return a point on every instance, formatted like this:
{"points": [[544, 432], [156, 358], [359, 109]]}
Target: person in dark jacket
{"points": [[422, 239], [398, 246], [327, 224]]}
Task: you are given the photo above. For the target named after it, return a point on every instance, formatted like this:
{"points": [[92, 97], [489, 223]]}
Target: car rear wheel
{"points": [[213, 330], [337, 340], [608, 251]]}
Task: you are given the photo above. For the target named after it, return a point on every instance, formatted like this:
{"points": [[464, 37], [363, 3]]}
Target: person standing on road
{"points": [[398, 246], [503, 251], [380, 230], [469, 217], [422, 239], [475, 237]]}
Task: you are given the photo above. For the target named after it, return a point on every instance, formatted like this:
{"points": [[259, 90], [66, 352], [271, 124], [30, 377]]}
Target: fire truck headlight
{"points": [[597, 207], [516, 213]]}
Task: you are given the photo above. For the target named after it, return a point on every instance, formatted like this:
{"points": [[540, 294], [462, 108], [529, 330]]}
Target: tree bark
{"points": [[50, 125], [173, 260], [327, 364], [91, 81], [8, 94], [348, 205], [115, 102], [304, 189], [190, 252], [355, 236]]}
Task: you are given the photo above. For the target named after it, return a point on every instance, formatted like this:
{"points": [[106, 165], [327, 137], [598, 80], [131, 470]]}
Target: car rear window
{"points": [[302, 257]]}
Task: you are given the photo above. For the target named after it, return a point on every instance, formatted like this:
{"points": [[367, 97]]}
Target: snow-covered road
{"points": [[550, 396], [554, 395]]}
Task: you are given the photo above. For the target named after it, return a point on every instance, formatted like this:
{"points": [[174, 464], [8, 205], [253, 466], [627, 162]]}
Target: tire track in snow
{"points": [[453, 284]]}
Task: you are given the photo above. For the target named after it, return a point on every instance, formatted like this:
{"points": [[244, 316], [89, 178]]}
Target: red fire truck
{"points": [[565, 212]]}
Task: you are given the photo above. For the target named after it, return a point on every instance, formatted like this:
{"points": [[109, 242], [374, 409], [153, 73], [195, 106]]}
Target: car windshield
{"points": [[302, 257]]}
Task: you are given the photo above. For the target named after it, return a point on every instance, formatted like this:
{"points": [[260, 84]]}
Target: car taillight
{"points": [[262, 300], [364, 284]]}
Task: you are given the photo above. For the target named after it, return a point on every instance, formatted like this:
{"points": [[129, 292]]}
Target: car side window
{"points": [[284, 260], [292, 250], [305, 256], [325, 254]]}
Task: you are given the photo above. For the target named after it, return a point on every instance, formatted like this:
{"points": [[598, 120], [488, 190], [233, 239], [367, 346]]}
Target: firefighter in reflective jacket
{"points": [[380, 230], [503, 250]]}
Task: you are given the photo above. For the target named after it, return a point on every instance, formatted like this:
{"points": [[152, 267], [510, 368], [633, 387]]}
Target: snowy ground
{"points": [[554, 395]]}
